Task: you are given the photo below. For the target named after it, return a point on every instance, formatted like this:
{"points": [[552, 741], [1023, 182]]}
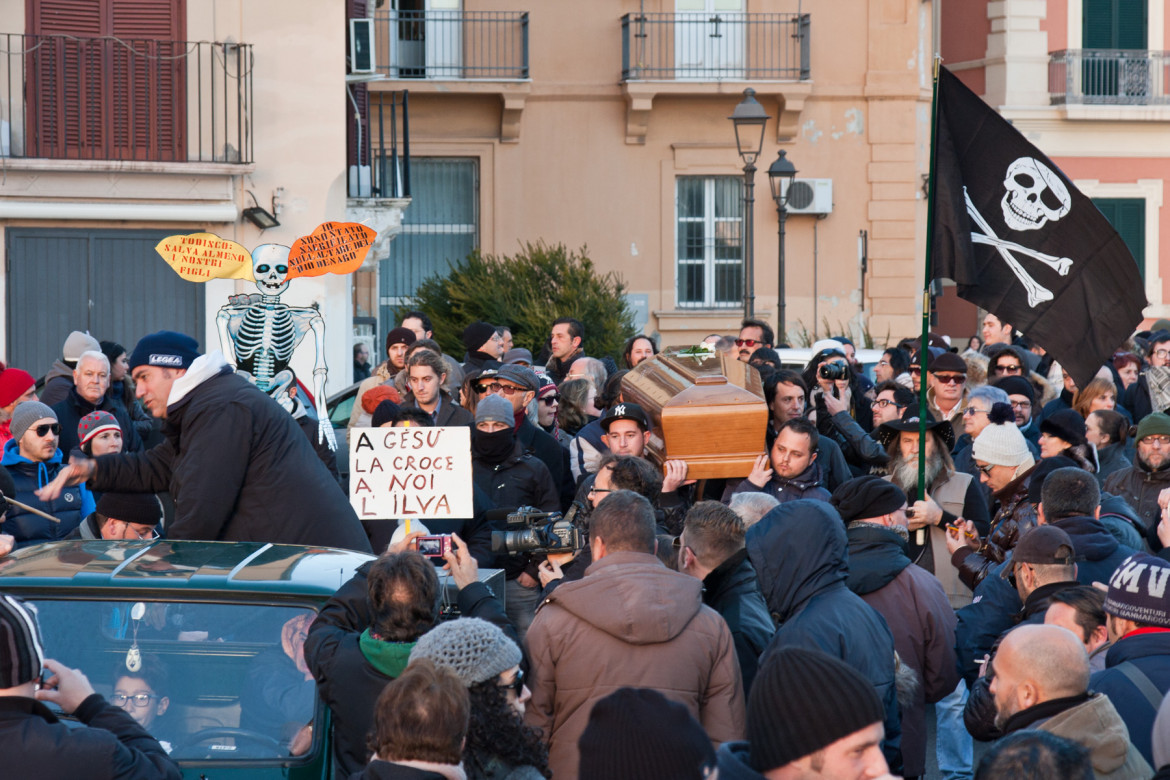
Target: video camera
{"points": [[533, 531]]}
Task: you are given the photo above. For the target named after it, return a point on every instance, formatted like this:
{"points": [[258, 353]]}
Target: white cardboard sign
{"points": [[397, 473]]}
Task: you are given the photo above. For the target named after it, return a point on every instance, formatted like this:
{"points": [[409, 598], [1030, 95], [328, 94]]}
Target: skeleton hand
{"points": [[325, 434]]}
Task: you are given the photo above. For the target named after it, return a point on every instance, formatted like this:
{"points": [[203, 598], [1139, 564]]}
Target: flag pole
{"points": [[923, 354]]}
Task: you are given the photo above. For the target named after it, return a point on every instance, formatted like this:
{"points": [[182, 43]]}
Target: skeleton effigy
{"points": [[259, 333]]}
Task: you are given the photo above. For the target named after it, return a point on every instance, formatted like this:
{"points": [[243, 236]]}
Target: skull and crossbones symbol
{"points": [[1033, 196]]}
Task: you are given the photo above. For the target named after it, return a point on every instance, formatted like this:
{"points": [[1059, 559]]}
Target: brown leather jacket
{"points": [[629, 621], [1015, 517]]}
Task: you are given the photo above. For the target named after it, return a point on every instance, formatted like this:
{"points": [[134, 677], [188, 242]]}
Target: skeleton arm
{"points": [[320, 373]]}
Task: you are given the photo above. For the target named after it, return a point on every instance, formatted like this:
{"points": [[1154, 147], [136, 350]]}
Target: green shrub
{"points": [[526, 292]]}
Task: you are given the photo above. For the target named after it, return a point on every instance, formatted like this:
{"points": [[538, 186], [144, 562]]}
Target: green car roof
{"points": [[240, 568]]}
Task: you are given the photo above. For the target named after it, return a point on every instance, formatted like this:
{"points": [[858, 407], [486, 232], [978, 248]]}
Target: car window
{"points": [[210, 681], [340, 413]]}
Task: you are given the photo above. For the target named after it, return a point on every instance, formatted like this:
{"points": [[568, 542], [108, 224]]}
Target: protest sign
{"points": [[199, 257], [332, 248], [419, 473]]}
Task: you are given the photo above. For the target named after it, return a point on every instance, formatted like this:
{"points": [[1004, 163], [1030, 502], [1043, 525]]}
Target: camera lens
{"points": [[833, 371]]}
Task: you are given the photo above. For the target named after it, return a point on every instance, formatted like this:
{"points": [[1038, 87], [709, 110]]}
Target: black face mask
{"points": [[492, 447]]}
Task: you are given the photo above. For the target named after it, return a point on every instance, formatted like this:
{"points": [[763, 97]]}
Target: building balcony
{"points": [[456, 53], [715, 54], [1110, 78], [144, 102]]}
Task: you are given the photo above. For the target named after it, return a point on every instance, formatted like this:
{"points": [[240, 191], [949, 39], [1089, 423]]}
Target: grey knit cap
{"points": [[474, 649], [492, 408], [27, 413]]}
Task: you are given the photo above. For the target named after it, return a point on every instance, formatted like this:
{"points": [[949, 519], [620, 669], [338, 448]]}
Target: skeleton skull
{"points": [[270, 268], [1035, 195]]}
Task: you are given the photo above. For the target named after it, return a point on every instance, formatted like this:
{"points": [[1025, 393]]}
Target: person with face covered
{"points": [[511, 478]]}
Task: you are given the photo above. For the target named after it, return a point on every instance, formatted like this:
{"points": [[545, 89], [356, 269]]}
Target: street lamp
{"points": [[749, 119], [780, 176]]}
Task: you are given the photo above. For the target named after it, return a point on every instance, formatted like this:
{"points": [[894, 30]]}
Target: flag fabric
{"points": [[1022, 242]]}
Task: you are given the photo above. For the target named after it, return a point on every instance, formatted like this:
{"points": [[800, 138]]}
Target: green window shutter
{"points": [[1128, 217], [1114, 24]]}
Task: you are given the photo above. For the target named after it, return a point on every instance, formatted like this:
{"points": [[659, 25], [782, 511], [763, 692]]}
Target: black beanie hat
{"points": [[138, 508], [21, 650], [476, 335], [1016, 385], [387, 411], [867, 496], [1067, 424], [803, 701], [639, 734]]}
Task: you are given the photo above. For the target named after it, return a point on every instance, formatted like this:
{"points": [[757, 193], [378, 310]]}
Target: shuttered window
{"points": [[1128, 217], [107, 79], [1114, 24]]}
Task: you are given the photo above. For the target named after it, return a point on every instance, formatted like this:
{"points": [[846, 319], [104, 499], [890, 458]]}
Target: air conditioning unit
{"points": [[810, 196], [361, 46]]}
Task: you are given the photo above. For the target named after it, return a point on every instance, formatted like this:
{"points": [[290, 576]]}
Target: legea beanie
{"points": [[805, 700], [166, 349], [474, 649]]}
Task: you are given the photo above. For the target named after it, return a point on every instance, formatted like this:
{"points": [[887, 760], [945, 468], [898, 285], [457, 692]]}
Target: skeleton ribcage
{"points": [[265, 342]]}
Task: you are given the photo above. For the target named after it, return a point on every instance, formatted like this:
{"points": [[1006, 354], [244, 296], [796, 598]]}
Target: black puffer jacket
{"points": [[114, 747], [347, 681], [733, 590], [521, 480], [799, 552], [1016, 516], [238, 467]]}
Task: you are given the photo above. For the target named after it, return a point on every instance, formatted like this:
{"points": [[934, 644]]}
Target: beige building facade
{"points": [[606, 125]]}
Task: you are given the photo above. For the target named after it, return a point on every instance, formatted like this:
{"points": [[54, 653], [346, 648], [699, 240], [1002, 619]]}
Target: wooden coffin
{"points": [[707, 409]]}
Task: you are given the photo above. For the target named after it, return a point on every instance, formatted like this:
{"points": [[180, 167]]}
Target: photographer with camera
{"points": [[628, 621]]}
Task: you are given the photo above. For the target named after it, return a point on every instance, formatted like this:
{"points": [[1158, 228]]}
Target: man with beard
{"points": [[1141, 483], [1041, 681], [912, 601], [953, 495], [1022, 397]]}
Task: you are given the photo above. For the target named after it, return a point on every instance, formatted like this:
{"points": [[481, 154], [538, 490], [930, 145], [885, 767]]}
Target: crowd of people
{"points": [[796, 622]]}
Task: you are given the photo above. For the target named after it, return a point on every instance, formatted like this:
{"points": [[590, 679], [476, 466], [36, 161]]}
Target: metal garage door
{"points": [[109, 282]]}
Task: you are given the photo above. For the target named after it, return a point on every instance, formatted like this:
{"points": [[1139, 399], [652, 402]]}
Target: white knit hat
{"points": [[1001, 445]]}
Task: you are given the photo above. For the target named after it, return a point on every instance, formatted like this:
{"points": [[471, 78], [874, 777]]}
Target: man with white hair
{"points": [[91, 380]]}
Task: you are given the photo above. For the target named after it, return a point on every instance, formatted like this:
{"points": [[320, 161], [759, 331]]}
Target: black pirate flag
{"points": [[1022, 242]]}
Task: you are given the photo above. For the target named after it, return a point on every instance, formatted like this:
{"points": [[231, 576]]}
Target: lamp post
{"points": [[780, 176], [749, 119]]}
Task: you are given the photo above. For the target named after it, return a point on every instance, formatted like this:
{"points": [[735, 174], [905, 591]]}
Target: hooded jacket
{"points": [[58, 382], [1092, 722], [1149, 651], [1098, 552], [238, 467], [69, 508], [799, 552], [629, 621], [920, 617]]}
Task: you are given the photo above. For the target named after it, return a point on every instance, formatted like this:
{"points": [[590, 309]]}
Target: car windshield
{"points": [[209, 681]]}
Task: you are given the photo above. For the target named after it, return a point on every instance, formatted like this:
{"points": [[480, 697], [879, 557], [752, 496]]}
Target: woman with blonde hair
{"points": [[1100, 393]]}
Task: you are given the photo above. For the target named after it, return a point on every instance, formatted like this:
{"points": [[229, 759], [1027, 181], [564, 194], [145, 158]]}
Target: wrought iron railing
{"points": [[469, 45], [64, 97], [1109, 77], [715, 46], [382, 168]]}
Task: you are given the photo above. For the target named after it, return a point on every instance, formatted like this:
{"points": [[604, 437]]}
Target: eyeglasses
{"points": [[950, 379], [517, 683], [1021, 404], [1162, 353], [747, 342], [985, 468], [1160, 439], [550, 399], [139, 699], [604, 490], [151, 534], [971, 411], [41, 430], [1001, 369], [496, 387], [883, 403], [883, 362]]}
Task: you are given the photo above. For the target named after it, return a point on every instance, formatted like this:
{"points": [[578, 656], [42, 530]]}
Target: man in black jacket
{"points": [[711, 549], [362, 638], [235, 462], [91, 380], [36, 744]]}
